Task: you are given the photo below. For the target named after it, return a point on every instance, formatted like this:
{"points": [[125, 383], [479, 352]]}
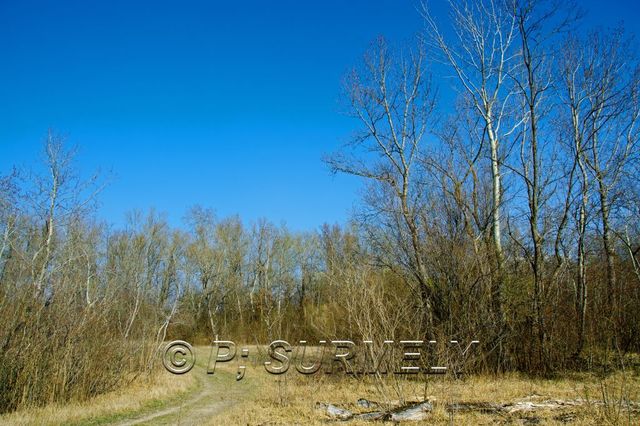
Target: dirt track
{"points": [[214, 394]]}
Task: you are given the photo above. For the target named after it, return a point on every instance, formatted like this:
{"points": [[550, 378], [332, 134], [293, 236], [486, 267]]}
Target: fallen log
{"points": [[418, 411], [334, 411]]}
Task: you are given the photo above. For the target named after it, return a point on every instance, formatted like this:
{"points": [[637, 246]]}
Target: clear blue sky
{"points": [[225, 104]]}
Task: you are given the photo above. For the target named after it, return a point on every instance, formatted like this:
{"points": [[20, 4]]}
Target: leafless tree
{"points": [[482, 56], [391, 97]]}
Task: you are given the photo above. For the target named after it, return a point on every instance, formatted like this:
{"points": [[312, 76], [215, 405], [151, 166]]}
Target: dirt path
{"points": [[214, 394]]}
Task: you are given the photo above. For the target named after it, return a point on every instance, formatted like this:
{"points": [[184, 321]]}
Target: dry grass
{"points": [[291, 399], [145, 394]]}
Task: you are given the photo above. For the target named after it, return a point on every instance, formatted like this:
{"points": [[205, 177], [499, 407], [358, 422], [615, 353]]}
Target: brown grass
{"points": [[145, 394], [291, 399]]}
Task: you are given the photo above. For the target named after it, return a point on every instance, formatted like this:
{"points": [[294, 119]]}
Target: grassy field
{"points": [[265, 399], [143, 395], [292, 399]]}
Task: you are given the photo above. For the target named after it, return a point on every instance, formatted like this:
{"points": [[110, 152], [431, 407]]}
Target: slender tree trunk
{"points": [[497, 281], [607, 243], [581, 288], [531, 92]]}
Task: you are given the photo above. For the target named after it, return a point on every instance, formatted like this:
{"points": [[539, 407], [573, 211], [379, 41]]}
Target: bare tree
{"points": [[539, 26], [481, 57], [57, 199], [572, 77], [393, 101], [8, 212]]}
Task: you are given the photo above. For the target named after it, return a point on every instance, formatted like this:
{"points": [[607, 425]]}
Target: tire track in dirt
{"points": [[211, 398]]}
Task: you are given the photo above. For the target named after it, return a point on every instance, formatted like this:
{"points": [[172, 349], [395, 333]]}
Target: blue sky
{"points": [[229, 105]]}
